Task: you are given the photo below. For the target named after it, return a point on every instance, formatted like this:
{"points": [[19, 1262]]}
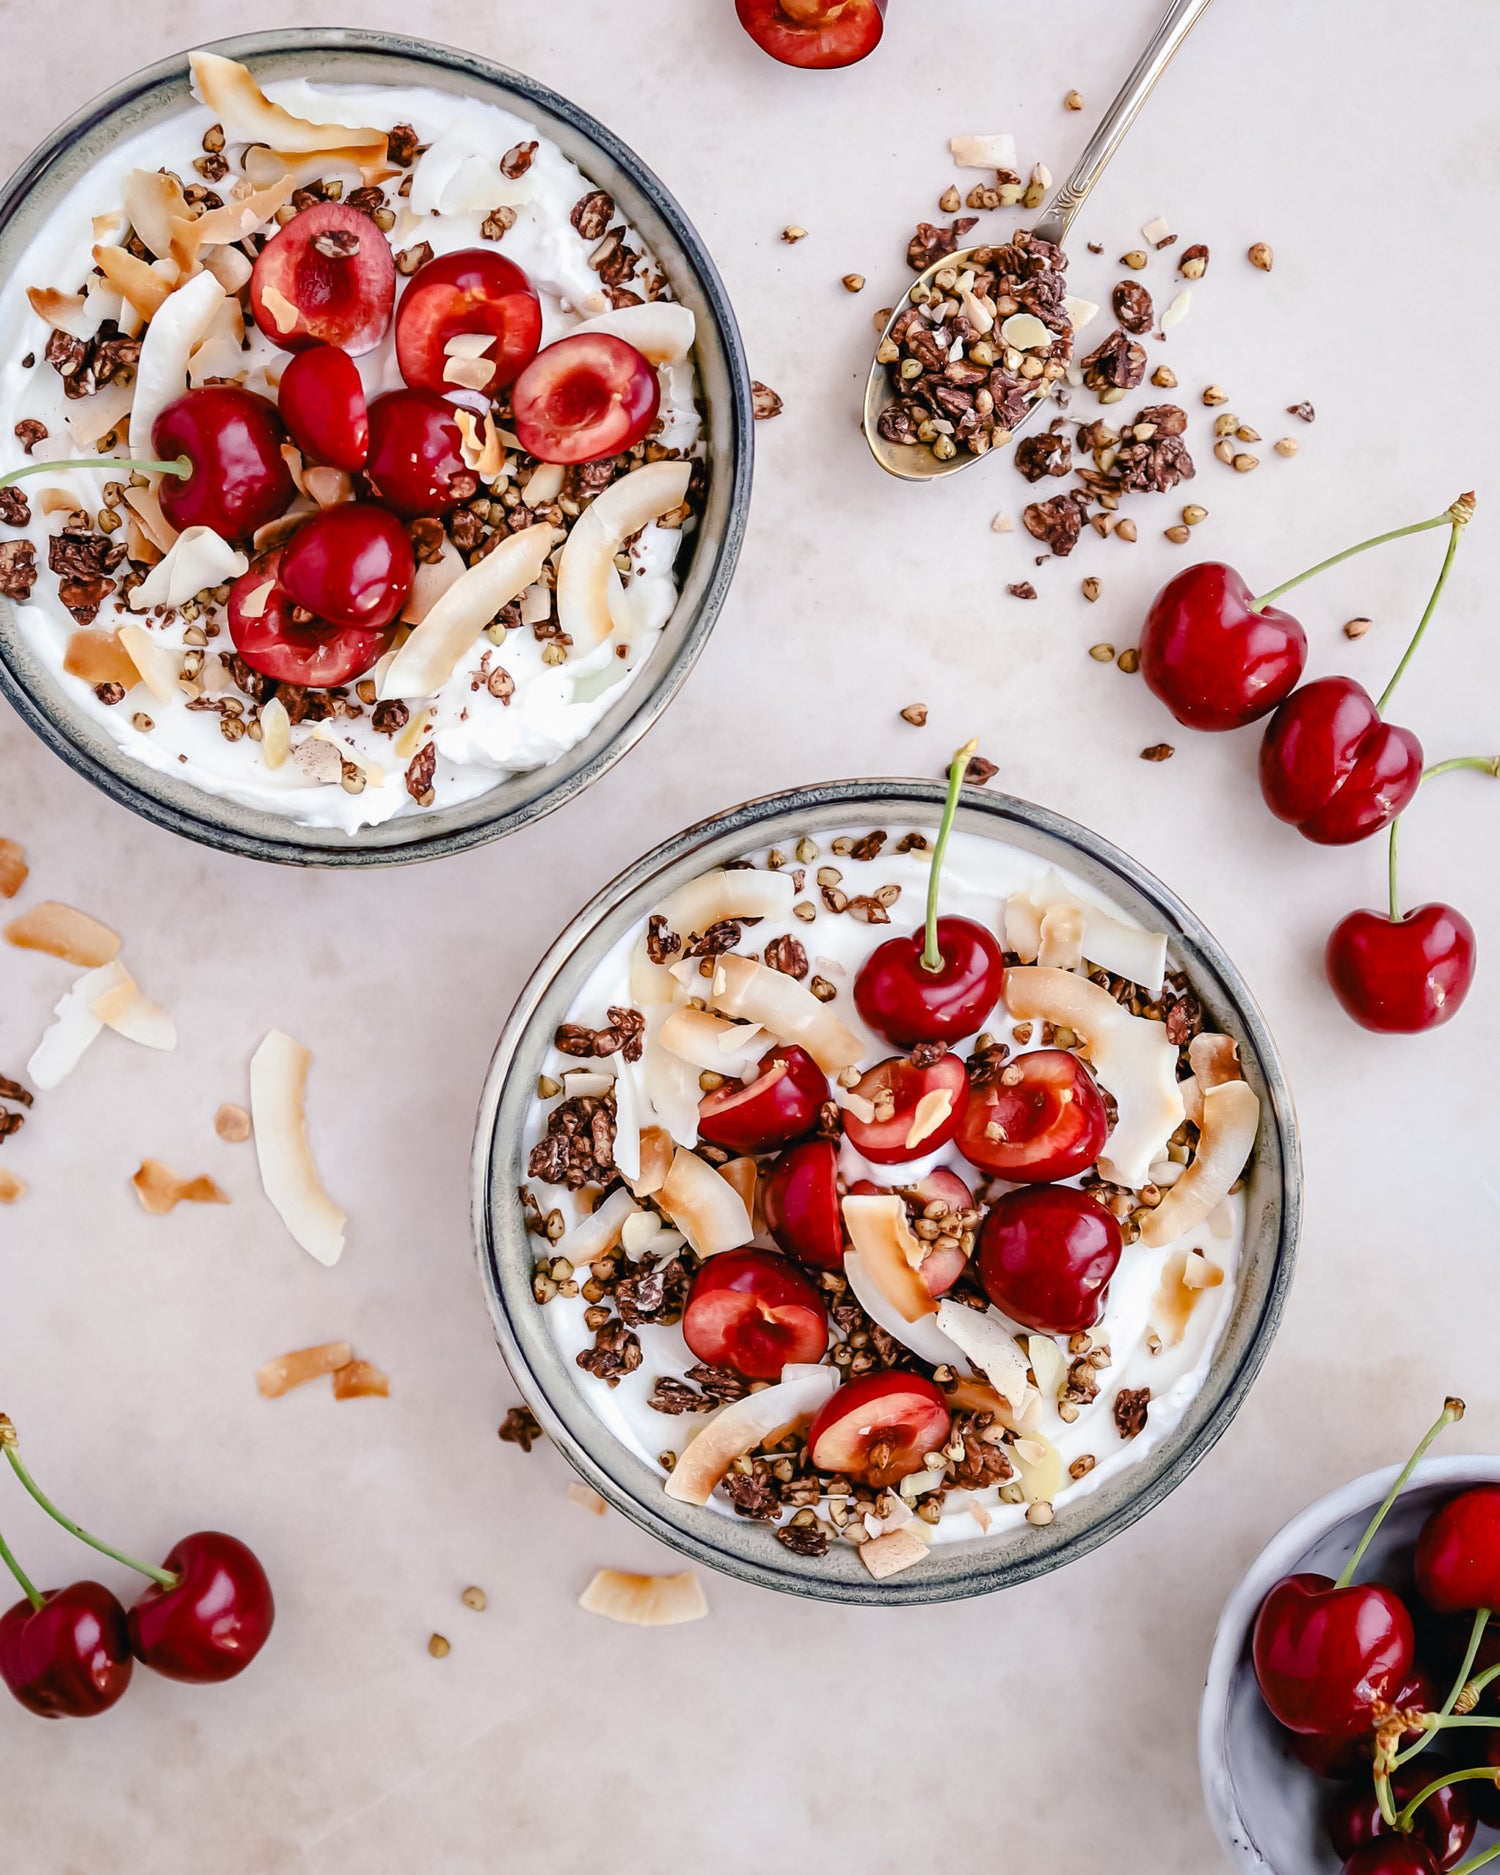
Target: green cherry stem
{"points": [[1384, 1798], [1445, 519], [28, 1588], [1476, 1635], [1404, 1819], [1460, 515], [1476, 1861], [179, 465], [1486, 764], [1453, 1411], [932, 957], [10, 1445]]}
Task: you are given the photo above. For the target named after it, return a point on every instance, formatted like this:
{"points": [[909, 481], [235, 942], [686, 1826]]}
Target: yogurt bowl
{"points": [[1044, 1429], [139, 651]]}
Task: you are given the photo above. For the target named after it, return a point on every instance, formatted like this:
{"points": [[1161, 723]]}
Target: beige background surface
{"points": [[1042, 1730]]}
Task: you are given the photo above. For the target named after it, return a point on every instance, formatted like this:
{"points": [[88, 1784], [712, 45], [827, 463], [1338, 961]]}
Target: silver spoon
{"points": [[915, 462]]}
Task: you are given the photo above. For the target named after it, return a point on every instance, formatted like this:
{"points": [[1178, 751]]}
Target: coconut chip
{"points": [[74, 1027], [249, 116], [481, 447], [153, 201], [662, 331], [198, 558], [744, 1424], [997, 151], [433, 578], [1060, 937], [586, 1498], [222, 227], [640, 1601], [278, 1082], [587, 577], [91, 420], [890, 1254], [707, 1209], [898, 1549], [931, 1111], [360, 1380], [1177, 311], [989, 1344], [13, 868], [1124, 949], [160, 1190], [162, 368], [923, 1336], [708, 1041], [1039, 1468], [154, 524], [66, 311], [159, 665], [1158, 231], [303, 1364], [1228, 1126], [598, 1233], [124, 1009], [61, 931], [141, 284], [275, 733], [432, 653], [786, 1008], [232, 1123]]}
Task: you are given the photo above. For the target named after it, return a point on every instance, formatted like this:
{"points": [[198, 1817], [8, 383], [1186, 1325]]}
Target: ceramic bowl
{"points": [[347, 55], [748, 1550]]}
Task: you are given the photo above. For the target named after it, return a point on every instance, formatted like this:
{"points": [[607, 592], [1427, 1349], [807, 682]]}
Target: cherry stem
{"points": [[1460, 514], [1476, 1861], [1476, 1635], [1453, 1411], [1488, 764], [1384, 1798], [1404, 1821], [932, 957], [164, 1578], [28, 1588], [1447, 517], [179, 465]]}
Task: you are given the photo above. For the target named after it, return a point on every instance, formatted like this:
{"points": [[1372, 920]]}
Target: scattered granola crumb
{"points": [[1158, 752], [1002, 524], [764, 401], [950, 201], [1091, 589], [1304, 410], [439, 1647], [1357, 627], [1131, 1404], [520, 1427], [232, 1123], [791, 234], [915, 714], [1039, 1513], [1102, 654], [1177, 533], [1215, 394], [1129, 660], [1260, 256], [979, 771], [475, 1599], [1164, 378], [855, 283], [1243, 462], [1287, 446], [1193, 514], [1023, 589], [1135, 259], [1073, 101], [1194, 262], [1126, 530]]}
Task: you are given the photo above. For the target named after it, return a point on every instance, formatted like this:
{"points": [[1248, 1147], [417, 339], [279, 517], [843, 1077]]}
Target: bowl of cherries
{"points": [[1351, 1718]]}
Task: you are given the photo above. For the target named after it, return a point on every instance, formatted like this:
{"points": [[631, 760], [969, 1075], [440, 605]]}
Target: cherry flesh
{"points": [[1043, 1119], [896, 1089], [941, 1267], [1340, 1754], [1214, 662], [800, 1200], [1046, 1254], [587, 396], [779, 1105], [274, 641], [1331, 767], [879, 1428], [1392, 1855], [322, 403], [1401, 976], [754, 1311], [818, 35], [416, 464], [328, 277], [239, 478], [1323, 1654], [350, 565], [471, 291], [1444, 1824], [1458, 1553], [70, 1658], [213, 1623], [907, 1003]]}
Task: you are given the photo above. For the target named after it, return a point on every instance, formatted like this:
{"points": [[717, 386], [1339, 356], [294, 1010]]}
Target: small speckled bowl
{"points": [[1264, 1804], [345, 54], [749, 1550]]}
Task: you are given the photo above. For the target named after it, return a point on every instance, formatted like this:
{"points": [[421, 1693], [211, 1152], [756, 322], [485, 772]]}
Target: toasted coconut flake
{"points": [[709, 1041], [644, 1230], [63, 931], [586, 572], [788, 1009], [480, 444], [159, 665], [432, 579], [662, 331], [743, 1176], [91, 419], [1048, 1364], [160, 1190], [1039, 1468], [742, 1425], [1129, 1054], [153, 201], [989, 1344], [453, 178], [546, 485], [600, 1231], [923, 1336], [1199, 1274], [275, 733], [222, 227], [67, 311], [162, 369], [232, 1123], [1186, 1278], [13, 868], [707, 1209], [278, 1080], [301, 1365], [586, 1498], [220, 352], [154, 524], [249, 116], [579, 1082], [1108, 941], [360, 1380], [1060, 945], [673, 1091], [469, 374], [656, 1161], [745, 892], [1226, 1138], [11, 1187], [645, 1601], [124, 1009], [372, 771], [230, 266], [931, 1111], [431, 655], [896, 1550], [197, 558], [1214, 1059], [139, 283], [880, 1231], [1025, 332], [63, 1043], [997, 151]]}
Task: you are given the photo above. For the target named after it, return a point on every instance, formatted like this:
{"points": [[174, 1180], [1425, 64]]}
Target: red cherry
{"points": [[1332, 767], [896, 1089], [940, 1269], [350, 565], [1323, 1655], [216, 1619], [878, 1429], [1484, 1797], [70, 1658], [1044, 1119], [1400, 976], [908, 1004], [1046, 1255], [800, 1200], [815, 34], [587, 396], [322, 403], [1214, 662], [754, 1311], [327, 277], [1392, 1855], [1340, 1754], [471, 291], [1458, 1553], [781, 1103], [232, 438], [271, 640], [1444, 1824], [416, 464]]}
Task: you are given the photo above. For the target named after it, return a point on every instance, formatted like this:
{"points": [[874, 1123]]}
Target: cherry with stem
{"points": [[1447, 518], [10, 1445], [932, 956], [179, 465]]}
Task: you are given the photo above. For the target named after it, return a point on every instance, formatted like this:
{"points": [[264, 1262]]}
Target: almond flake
{"points": [[1024, 332], [931, 1111], [898, 1549], [62, 931], [283, 313], [471, 374], [13, 868], [303, 1364], [162, 368], [643, 1601], [275, 733], [586, 1498], [160, 1190]]}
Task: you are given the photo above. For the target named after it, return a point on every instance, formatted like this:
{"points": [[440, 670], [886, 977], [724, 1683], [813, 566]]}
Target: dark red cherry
{"points": [[754, 1311], [239, 478], [800, 1200], [274, 641], [327, 278], [1046, 1254], [780, 1104], [213, 1623], [584, 397], [1323, 1655], [1332, 768], [815, 34], [1458, 1553], [471, 291], [322, 403], [879, 1428], [350, 565], [1401, 976], [416, 465], [1214, 662], [904, 1127], [1341, 1754], [1444, 1824], [70, 1658], [907, 1003], [1392, 1855], [1044, 1118]]}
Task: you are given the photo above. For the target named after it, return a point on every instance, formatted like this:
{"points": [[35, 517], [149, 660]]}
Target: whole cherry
{"points": [[65, 1653], [1444, 1823], [237, 477], [351, 565], [1215, 655], [1392, 1855], [1046, 1254], [1341, 1754], [1458, 1553], [1325, 1652], [211, 1621], [416, 462]]}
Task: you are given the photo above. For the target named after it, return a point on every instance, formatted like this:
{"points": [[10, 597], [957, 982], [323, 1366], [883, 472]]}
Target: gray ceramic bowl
{"points": [[344, 53], [747, 1550], [1264, 1804]]}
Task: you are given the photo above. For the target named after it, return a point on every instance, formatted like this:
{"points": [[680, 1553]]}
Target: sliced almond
{"points": [[1227, 1131], [230, 266], [162, 369], [326, 485], [275, 733], [469, 374], [1039, 1468], [14, 871], [11, 1187], [742, 1425], [432, 653], [930, 1113], [249, 116], [1048, 1364], [1081, 312], [160, 1190], [284, 314], [896, 1550], [707, 1209], [587, 576], [197, 559], [662, 331], [1024, 332], [788, 1009], [360, 1380], [640, 1601], [63, 931], [278, 1082], [586, 1498], [303, 1364]]}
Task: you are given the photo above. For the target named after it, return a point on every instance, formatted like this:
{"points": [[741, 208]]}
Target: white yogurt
{"points": [[479, 739]]}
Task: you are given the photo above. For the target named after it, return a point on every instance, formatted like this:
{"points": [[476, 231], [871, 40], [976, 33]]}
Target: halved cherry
{"points": [[233, 440], [322, 403], [416, 464], [941, 1268], [587, 396], [754, 1311], [1043, 1119], [456, 296], [800, 1200], [327, 277], [1046, 1255], [815, 34], [879, 1428], [911, 1117], [274, 638], [350, 565], [780, 1104]]}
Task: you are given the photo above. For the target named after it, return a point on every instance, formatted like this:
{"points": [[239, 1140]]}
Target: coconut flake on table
{"points": [[995, 151], [278, 1082], [74, 1026], [160, 1190], [644, 1601], [65, 932]]}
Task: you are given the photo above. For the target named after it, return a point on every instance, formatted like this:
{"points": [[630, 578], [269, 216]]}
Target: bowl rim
{"points": [[130, 786], [744, 825], [1231, 1634]]}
